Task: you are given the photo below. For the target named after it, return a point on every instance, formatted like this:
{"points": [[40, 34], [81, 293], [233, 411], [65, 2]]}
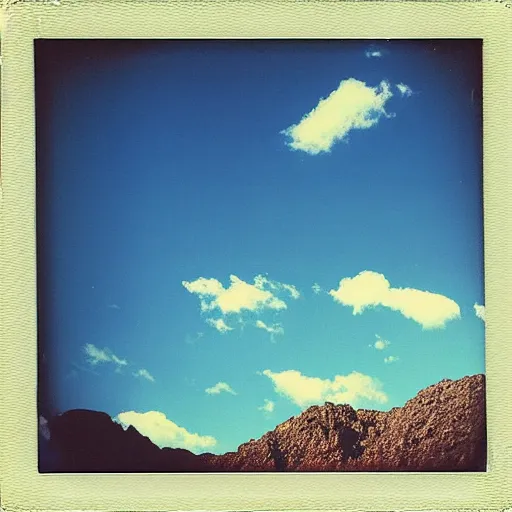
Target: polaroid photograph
{"points": [[252, 266], [253, 257]]}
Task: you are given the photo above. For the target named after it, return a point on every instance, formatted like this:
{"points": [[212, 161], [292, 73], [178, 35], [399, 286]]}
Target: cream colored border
{"points": [[22, 488]]}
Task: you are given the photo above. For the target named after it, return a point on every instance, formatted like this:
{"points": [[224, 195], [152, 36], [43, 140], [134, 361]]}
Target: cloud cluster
{"points": [[479, 311], [391, 359], [219, 388], [164, 432], [369, 289], [239, 295], [353, 105], [305, 391], [96, 355]]}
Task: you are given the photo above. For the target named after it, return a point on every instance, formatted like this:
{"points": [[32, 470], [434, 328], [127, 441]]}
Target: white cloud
{"points": [[369, 289], [219, 388], [239, 295], [219, 324], [305, 391], [405, 90], [96, 355], [268, 406], [144, 374], [391, 359], [381, 344], [113, 306], [272, 329], [479, 311], [316, 288], [373, 53], [353, 105], [164, 432]]}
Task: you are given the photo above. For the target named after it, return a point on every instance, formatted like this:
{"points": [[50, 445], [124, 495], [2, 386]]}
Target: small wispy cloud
{"points": [[391, 359], [143, 373], [219, 324], [113, 306], [370, 289], [479, 311], [353, 105], [373, 54], [405, 90], [96, 356], [272, 329], [316, 288], [220, 387], [268, 406], [381, 344]]}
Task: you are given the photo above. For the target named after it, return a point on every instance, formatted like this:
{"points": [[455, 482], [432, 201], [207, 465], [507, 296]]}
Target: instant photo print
{"points": [[256, 256]]}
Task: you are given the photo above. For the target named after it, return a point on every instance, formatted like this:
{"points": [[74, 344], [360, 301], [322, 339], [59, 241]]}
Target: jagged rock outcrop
{"points": [[441, 429]]}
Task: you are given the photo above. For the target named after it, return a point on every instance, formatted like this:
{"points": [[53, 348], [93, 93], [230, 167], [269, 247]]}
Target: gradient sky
{"points": [[230, 232]]}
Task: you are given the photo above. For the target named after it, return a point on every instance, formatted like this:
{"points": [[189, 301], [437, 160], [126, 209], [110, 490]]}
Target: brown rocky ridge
{"points": [[441, 429]]}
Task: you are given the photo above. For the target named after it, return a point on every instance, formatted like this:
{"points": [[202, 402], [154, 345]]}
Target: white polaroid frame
{"points": [[22, 487]]}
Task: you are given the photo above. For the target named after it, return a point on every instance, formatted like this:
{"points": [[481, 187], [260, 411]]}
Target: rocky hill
{"points": [[441, 429]]}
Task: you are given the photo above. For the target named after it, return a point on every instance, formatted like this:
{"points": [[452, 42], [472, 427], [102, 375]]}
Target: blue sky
{"points": [[231, 232]]}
